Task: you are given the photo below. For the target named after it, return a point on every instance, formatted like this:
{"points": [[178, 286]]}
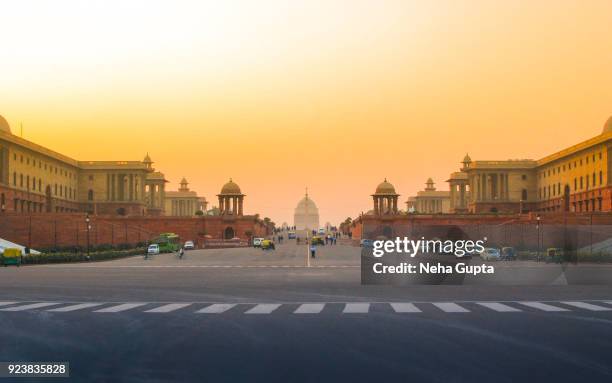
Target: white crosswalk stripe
{"points": [[76, 307], [587, 306], [168, 308], [31, 306], [310, 308], [356, 308], [543, 306], [499, 307], [450, 307], [120, 308], [405, 308], [216, 308], [263, 308]]}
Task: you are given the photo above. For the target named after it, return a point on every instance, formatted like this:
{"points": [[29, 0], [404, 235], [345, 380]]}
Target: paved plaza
{"points": [[247, 314]]}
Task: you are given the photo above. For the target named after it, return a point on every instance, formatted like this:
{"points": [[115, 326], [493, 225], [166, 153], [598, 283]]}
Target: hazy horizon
{"points": [[330, 95]]}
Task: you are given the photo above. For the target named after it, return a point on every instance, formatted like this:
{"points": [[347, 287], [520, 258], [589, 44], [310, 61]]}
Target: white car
{"points": [[188, 245], [153, 249], [257, 242], [490, 254]]}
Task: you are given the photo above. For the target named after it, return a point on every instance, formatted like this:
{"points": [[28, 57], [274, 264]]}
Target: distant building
{"points": [[576, 179], [430, 200], [184, 202], [306, 216]]}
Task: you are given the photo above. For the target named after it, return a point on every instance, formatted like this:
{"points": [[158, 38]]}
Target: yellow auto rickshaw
{"points": [[11, 257], [267, 244]]}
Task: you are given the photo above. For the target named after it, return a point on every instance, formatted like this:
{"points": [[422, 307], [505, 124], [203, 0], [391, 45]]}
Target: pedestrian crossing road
{"points": [[308, 308]]}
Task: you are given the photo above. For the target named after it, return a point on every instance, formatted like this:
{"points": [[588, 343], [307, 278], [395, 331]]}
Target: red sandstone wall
{"points": [[69, 229]]}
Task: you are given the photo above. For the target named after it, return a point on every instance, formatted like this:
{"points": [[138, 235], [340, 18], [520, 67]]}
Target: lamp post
{"points": [[538, 218], [87, 220]]}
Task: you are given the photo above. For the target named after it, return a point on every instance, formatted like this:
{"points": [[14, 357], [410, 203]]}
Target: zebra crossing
{"points": [[310, 308]]}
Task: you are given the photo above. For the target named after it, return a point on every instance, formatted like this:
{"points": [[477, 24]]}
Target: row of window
{"points": [[52, 169], [36, 185], [568, 166], [579, 184]]}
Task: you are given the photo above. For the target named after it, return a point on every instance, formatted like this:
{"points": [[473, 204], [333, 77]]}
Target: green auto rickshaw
{"points": [[11, 257]]}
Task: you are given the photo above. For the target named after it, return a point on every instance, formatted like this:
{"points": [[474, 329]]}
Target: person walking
{"points": [[313, 250], [181, 252]]}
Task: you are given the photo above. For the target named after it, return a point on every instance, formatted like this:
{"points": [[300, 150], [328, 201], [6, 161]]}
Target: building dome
{"points": [[385, 188], [306, 215], [4, 126], [231, 188], [607, 126]]}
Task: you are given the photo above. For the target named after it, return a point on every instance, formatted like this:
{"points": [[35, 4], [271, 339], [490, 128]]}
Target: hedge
{"points": [[37, 259]]}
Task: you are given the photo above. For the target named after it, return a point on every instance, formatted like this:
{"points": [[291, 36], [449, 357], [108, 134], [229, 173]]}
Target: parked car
{"points": [[257, 242], [267, 244], [367, 243], [508, 254], [153, 249], [291, 235], [322, 231], [490, 254], [189, 245]]}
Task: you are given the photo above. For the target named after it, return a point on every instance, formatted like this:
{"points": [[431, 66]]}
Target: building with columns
{"points": [[231, 199], [184, 202], [385, 199], [575, 179], [430, 200]]}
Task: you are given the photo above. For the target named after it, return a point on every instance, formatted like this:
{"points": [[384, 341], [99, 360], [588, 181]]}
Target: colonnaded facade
{"points": [[34, 179], [576, 179]]}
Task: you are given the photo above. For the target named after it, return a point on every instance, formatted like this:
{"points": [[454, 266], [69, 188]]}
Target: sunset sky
{"points": [[280, 95]]}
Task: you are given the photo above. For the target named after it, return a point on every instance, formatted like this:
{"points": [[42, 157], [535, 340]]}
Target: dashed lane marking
{"points": [[31, 306], [356, 308], [450, 307], [216, 308], [263, 308], [79, 306], [120, 308], [499, 307], [405, 308], [310, 308], [168, 308], [587, 306], [543, 306]]}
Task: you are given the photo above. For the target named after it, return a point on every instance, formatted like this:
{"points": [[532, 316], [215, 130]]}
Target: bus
{"points": [[168, 242]]}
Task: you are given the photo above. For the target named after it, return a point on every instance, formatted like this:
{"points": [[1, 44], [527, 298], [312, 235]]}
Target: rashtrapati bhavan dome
{"points": [[306, 215]]}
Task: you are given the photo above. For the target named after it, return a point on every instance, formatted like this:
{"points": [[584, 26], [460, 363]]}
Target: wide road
{"points": [[249, 315]]}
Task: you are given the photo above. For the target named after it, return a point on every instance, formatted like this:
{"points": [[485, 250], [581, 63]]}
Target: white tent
{"points": [[4, 244]]}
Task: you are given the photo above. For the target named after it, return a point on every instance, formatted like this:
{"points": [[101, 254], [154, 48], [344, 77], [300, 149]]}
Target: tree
{"points": [[199, 212]]}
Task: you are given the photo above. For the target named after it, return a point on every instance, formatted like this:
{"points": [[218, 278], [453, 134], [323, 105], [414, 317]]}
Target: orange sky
{"points": [[333, 95]]}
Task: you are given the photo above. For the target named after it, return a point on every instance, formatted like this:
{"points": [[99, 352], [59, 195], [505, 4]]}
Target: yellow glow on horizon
{"points": [[334, 95]]}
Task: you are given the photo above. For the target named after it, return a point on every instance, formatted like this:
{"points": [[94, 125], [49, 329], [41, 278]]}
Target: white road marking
{"points": [[263, 308], [216, 308], [79, 306], [168, 308], [7, 303], [405, 308], [356, 308], [310, 308], [450, 307], [543, 306], [120, 308], [499, 307], [587, 306], [30, 306]]}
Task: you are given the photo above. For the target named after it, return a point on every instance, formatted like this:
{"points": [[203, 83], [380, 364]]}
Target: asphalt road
{"points": [[248, 315]]}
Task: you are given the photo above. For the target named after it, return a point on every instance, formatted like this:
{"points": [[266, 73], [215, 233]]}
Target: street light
{"points": [[538, 218], [88, 230]]}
